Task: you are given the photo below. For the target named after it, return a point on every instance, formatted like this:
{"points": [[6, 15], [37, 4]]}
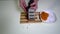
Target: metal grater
{"points": [[31, 14]]}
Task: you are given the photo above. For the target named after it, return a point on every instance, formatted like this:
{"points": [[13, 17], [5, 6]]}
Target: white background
{"points": [[10, 14]]}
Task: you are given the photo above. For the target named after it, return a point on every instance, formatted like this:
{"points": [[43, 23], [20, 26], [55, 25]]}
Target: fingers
{"points": [[34, 4], [23, 4], [35, 7]]}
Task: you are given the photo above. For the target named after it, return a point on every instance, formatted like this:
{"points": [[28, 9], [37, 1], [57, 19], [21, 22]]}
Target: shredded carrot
{"points": [[44, 15]]}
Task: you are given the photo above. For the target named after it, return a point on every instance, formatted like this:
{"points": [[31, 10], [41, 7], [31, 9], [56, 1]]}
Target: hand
{"points": [[34, 4], [23, 4]]}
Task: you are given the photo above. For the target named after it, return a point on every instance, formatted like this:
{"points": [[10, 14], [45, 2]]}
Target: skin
{"points": [[23, 4]]}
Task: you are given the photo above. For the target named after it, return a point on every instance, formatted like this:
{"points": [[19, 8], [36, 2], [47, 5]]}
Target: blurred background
{"points": [[10, 17]]}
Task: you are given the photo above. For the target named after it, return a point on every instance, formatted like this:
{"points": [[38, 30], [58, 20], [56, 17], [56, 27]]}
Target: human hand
{"points": [[23, 4], [34, 4]]}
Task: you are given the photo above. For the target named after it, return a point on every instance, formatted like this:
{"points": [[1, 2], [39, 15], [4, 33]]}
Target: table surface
{"points": [[10, 19]]}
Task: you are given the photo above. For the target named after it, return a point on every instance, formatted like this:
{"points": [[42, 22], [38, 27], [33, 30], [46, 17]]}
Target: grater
{"points": [[31, 14]]}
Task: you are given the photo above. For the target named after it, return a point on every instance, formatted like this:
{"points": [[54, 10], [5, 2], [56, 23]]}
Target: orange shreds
{"points": [[44, 15]]}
